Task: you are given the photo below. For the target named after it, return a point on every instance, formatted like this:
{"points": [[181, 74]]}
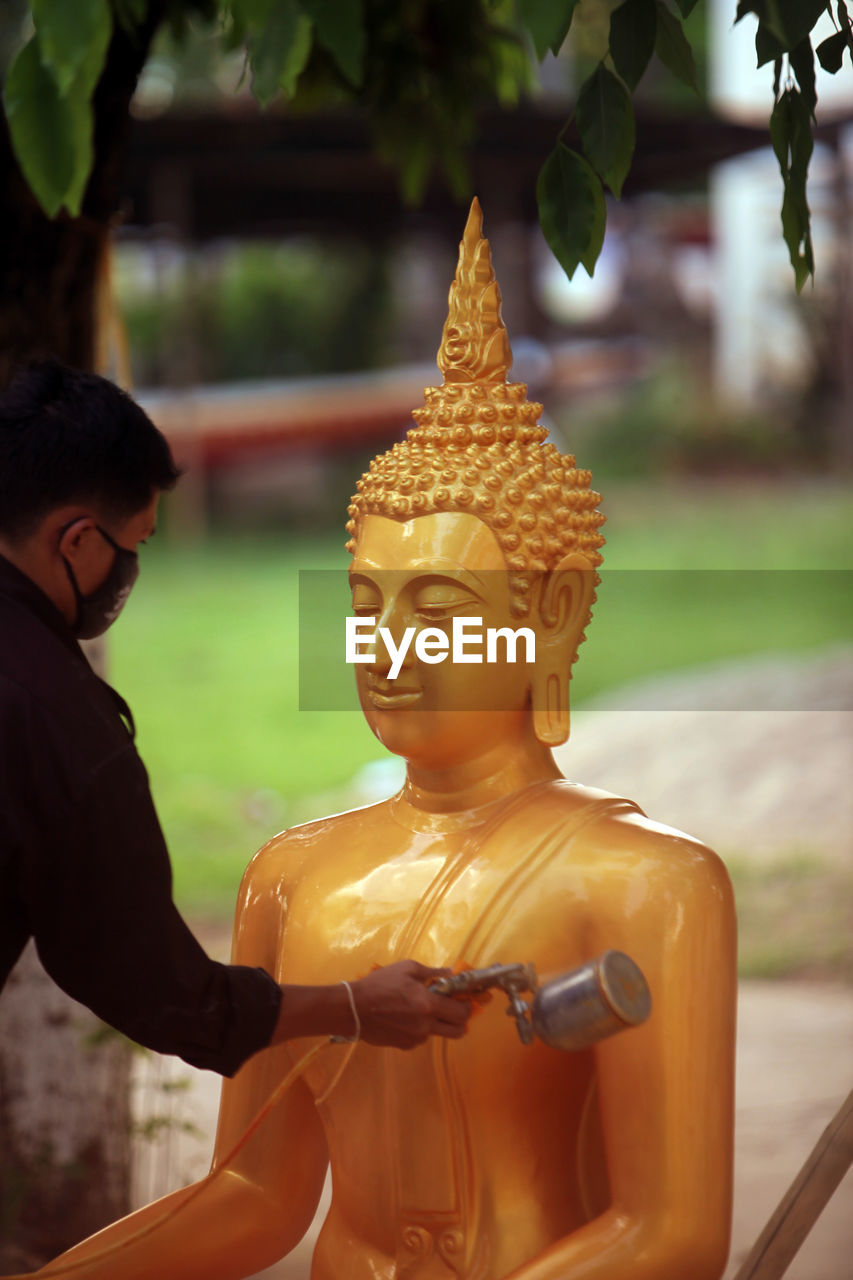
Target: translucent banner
{"points": [[430, 639]]}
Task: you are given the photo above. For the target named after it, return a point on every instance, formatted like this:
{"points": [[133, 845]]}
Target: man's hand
{"points": [[397, 1007]]}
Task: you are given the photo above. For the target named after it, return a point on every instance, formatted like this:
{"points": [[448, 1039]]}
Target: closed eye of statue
{"points": [[366, 601], [440, 599]]}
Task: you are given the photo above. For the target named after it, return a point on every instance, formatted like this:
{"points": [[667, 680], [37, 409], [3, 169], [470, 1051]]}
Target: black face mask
{"points": [[99, 610]]}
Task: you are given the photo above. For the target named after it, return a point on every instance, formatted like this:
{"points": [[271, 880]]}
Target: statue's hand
{"points": [[397, 1008]]}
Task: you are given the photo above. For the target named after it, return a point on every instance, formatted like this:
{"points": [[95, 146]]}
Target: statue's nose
{"points": [[392, 640]]}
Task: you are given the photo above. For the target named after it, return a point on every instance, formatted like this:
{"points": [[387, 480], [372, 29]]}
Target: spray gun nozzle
{"points": [[471, 982]]}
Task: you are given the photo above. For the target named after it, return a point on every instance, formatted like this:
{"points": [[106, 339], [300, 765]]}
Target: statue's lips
{"points": [[386, 695]]}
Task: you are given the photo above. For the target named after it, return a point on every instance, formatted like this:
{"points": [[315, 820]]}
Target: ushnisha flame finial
{"points": [[474, 343]]}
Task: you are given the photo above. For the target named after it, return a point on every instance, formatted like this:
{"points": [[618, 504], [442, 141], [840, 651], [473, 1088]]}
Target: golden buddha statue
{"points": [[482, 1158]]}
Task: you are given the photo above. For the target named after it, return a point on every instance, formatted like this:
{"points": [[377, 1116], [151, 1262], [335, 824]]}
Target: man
{"points": [[83, 865]]}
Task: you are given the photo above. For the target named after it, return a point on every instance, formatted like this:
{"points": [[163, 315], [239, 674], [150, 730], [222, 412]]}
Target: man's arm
{"points": [[108, 932], [394, 1007]]}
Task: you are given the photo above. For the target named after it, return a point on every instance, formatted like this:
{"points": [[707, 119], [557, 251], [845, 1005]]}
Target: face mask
{"points": [[99, 610]]}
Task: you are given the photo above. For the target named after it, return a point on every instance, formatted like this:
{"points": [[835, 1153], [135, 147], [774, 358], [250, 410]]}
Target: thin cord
{"points": [[350, 1041], [345, 1061]]}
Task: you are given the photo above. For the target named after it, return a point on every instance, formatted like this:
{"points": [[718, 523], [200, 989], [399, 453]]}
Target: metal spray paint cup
{"points": [[602, 997]]}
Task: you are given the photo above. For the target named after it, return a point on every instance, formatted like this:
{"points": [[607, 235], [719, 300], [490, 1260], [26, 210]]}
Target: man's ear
{"points": [[565, 600], [72, 535]]}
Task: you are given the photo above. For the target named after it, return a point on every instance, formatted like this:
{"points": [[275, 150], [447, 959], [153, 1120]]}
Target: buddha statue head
{"points": [[476, 489]]}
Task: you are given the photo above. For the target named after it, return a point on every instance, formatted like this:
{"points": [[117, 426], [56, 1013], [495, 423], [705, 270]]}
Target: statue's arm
{"points": [[666, 1089], [251, 1210]]}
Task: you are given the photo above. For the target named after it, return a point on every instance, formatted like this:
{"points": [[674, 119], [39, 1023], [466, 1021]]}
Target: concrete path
{"points": [[794, 1069], [752, 756]]}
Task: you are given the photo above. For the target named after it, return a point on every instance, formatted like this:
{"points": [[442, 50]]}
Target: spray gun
{"points": [[573, 1011]]}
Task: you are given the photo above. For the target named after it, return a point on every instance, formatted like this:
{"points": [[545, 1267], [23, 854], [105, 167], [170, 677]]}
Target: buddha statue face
{"points": [[423, 573], [474, 515], [415, 578]]}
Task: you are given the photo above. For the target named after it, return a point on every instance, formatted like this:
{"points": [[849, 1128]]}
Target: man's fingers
{"points": [[449, 1009], [397, 1007], [451, 1032], [424, 972]]}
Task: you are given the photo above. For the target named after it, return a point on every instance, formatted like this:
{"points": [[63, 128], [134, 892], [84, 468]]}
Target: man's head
{"points": [[81, 468], [72, 438]]}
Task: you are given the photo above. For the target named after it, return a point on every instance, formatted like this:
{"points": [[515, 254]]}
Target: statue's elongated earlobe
{"points": [[550, 695], [564, 606]]}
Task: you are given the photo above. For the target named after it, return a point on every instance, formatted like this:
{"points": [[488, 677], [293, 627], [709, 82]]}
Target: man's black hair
{"points": [[72, 437]]}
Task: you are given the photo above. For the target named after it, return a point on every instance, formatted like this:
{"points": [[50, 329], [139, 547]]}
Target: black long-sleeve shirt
{"points": [[83, 865]]}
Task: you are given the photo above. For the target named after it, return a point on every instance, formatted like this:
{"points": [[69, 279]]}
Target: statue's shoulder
{"points": [[285, 853], [612, 832]]}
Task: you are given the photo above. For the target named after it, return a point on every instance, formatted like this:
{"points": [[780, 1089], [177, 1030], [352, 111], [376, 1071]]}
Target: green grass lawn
{"points": [[206, 652]]}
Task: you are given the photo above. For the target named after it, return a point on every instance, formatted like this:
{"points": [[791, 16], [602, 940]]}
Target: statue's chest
{"points": [[400, 895]]}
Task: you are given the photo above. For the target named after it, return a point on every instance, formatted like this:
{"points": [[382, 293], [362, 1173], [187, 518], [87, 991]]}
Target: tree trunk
{"points": [[64, 1078], [49, 267], [49, 274], [64, 1120]]}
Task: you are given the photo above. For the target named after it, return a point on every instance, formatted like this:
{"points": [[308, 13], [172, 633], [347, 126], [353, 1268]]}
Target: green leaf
{"points": [[802, 142], [797, 236], [243, 16], [767, 47], [792, 20], [791, 136], [339, 28], [93, 64], [297, 56], [548, 22], [41, 128], [633, 27], [606, 124], [73, 37], [781, 125], [686, 7], [672, 47], [278, 50], [130, 13], [572, 211], [831, 51], [802, 65], [78, 104], [790, 133]]}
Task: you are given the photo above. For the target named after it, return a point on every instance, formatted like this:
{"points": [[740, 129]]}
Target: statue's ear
{"points": [[565, 599]]}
